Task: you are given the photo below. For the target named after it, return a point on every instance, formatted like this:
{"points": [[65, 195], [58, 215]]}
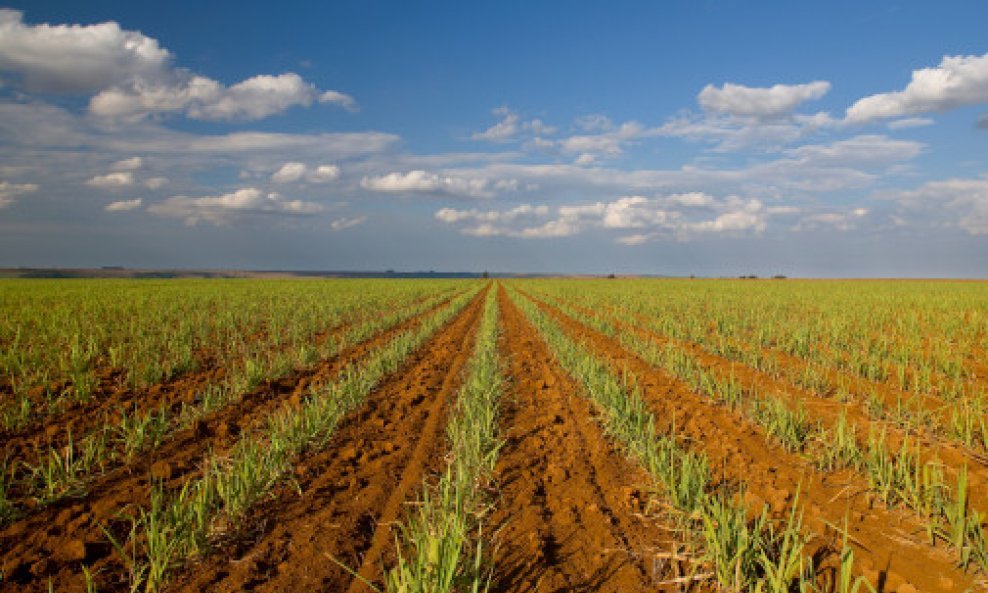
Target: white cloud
{"points": [[221, 210], [345, 223], [76, 58], [323, 174], [124, 205], [539, 128], [131, 164], [288, 173], [675, 216], [343, 100], [451, 215], [337, 144], [511, 126], [762, 103], [859, 150], [733, 133], [132, 76], [420, 181], [594, 122], [841, 221], [112, 180], [294, 171], [155, 182], [9, 192], [199, 97], [957, 202], [909, 122], [957, 81], [503, 130], [608, 143], [585, 160]]}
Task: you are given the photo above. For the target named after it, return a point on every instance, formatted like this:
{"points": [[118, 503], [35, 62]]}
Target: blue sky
{"points": [[717, 138]]}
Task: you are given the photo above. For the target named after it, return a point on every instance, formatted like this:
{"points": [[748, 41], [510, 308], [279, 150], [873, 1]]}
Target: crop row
{"points": [[65, 343], [180, 523], [742, 554], [921, 338], [963, 421], [897, 476], [64, 470], [442, 546]]}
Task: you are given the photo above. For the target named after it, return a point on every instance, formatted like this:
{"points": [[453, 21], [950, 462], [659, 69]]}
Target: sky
{"points": [[813, 139]]}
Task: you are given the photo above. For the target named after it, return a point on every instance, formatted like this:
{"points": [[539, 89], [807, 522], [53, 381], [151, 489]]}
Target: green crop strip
{"points": [[66, 471], [180, 525], [898, 478], [743, 555], [441, 547]]}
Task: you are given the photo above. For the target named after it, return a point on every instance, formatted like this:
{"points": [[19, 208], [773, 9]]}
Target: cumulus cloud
{"points": [[124, 205], [732, 133], [345, 223], [294, 171], [289, 172], [737, 117], [452, 215], [76, 58], [112, 180], [957, 81], [539, 128], [609, 143], [202, 98], [155, 182], [323, 173], [840, 221], [343, 100], [594, 122], [674, 216], [909, 122], [131, 164], [585, 160], [420, 181], [763, 103], [983, 121], [503, 130], [859, 150], [132, 77], [224, 209], [956, 202], [512, 126], [9, 192]]}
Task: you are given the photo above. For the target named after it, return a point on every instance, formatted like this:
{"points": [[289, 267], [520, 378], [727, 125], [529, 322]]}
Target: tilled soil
{"points": [[828, 411], [890, 545], [54, 542], [570, 515], [113, 398], [354, 490]]}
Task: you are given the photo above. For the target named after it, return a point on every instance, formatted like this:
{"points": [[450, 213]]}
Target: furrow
{"points": [[339, 510], [889, 543], [571, 509], [57, 539]]}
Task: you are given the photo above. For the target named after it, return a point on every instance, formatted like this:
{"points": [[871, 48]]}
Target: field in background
{"points": [[509, 435]]}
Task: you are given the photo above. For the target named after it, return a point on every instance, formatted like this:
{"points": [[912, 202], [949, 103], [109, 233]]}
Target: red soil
{"points": [[347, 497], [890, 546], [55, 541], [571, 515]]}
